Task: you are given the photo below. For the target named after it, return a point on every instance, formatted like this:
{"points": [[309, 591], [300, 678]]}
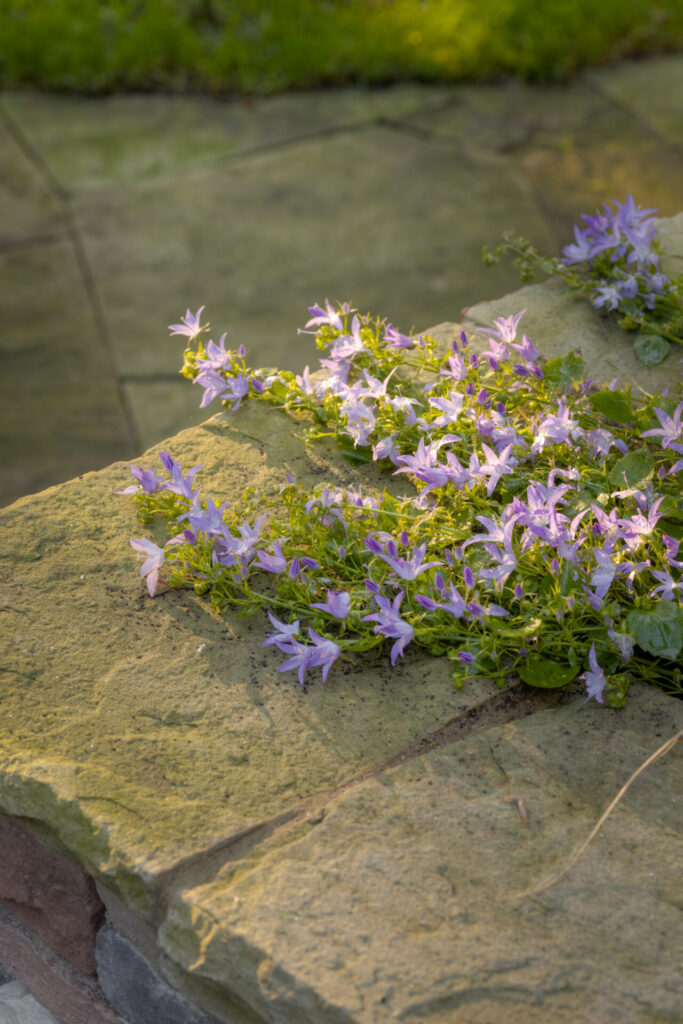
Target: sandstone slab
{"points": [[144, 733], [51, 894], [414, 897]]}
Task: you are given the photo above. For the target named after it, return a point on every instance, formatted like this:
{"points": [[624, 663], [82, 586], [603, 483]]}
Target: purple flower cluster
{"points": [[532, 516], [621, 241]]}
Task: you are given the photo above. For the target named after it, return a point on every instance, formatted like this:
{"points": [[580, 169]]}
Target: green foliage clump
{"points": [[224, 46]]}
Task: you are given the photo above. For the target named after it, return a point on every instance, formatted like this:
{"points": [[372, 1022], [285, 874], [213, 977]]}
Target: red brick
{"points": [[51, 894], [69, 995]]}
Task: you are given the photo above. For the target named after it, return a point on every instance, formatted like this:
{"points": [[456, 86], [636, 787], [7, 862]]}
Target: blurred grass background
{"points": [[246, 46]]}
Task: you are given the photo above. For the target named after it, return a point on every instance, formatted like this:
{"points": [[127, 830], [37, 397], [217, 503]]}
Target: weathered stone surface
{"points": [[17, 1006], [121, 140], [558, 322], [412, 898], [574, 148], [142, 732], [28, 210], [51, 894], [70, 996], [60, 411], [134, 988], [259, 240], [651, 89]]}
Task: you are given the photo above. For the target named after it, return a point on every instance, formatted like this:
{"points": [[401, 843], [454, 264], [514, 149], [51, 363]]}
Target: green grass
{"points": [[225, 46]]}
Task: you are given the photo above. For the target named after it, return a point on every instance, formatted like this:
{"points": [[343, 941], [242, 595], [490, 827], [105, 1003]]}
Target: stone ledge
{"points": [[328, 857]]}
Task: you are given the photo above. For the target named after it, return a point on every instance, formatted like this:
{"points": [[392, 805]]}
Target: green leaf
{"points": [[651, 349], [358, 455], [564, 370], [659, 630], [613, 405], [547, 266], [548, 675], [633, 470], [669, 508]]}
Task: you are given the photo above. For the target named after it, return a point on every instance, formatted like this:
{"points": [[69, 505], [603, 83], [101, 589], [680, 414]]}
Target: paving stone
{"points": [[90, 144], [142, 732], [576, 148], [60, 413], [135, 989], [27, 207], [51, 894], [651, 89], [65, 992], [560, 323], [162, 408], [380, 218], [412, 898], [17, 1006]]}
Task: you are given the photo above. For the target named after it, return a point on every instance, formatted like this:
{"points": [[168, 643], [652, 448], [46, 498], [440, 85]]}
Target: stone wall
{"points": [[188, 837]]}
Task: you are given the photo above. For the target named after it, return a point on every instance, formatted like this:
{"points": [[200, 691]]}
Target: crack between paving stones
{"points": [[515, 702], [87, 276]]}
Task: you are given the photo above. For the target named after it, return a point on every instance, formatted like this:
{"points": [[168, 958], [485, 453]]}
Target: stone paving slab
{"points": [[60, 411], [650, 89], [412, 899], [142, 733], [28, 210], [305, 215], [121, 140], [575, 148]]}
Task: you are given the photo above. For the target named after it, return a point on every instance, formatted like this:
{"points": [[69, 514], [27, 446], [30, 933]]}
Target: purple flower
{"points": [[607, 295], [666, 586], [337, 605], [154, 558], [505, 328], [275, 563], [581, 251], [406, 568], [179, 484], [321, 653], [189, 325], [394, 338], [284, 633], [147, 480], [328, 316], [390, 623], [496, 465], [671, 427], [602, 577], [594, 678]]}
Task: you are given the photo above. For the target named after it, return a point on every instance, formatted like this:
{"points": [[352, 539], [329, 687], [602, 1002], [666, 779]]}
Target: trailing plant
{"points": [[539, 533], [615, 262]]}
